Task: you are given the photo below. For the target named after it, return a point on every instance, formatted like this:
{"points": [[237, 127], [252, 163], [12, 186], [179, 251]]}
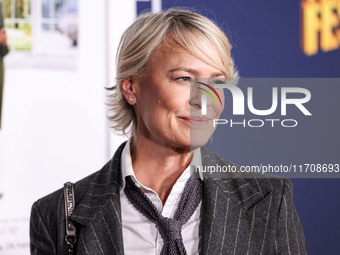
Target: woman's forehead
{"points": [[178, 59], [206, 51]]}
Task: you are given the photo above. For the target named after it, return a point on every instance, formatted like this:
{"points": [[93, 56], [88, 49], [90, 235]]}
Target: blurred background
{"points": [[62, 55]]}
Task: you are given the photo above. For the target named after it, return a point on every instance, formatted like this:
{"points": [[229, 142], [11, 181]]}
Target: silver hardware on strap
{"points": [[70, 237]]}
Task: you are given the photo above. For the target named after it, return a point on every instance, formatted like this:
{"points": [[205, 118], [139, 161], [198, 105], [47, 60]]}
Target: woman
{"points": [[143, 201]]}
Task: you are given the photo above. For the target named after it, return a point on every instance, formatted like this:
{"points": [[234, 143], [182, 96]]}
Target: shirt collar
{"points": [[126, 163]]}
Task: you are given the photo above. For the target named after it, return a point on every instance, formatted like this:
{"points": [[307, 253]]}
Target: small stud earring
{"points": [[131, 99]]}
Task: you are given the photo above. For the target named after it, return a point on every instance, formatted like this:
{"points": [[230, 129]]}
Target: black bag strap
{"points": [[70, 236]]}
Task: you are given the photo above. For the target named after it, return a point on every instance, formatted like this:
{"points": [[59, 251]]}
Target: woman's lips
{"points": [[196, 121]]}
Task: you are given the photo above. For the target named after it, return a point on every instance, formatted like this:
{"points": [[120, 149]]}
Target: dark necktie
{"points": [[170, 229]]}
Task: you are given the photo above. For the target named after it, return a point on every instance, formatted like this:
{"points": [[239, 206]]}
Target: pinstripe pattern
{"points": [[251, 230], [225, 227], [265, 228], [261, 218], [84, 245], [286, 212], [213, 219], [239, 216], [238, 230]]}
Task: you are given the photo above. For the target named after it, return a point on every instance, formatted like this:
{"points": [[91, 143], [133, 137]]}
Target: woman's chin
{"points": [[199, 137]]}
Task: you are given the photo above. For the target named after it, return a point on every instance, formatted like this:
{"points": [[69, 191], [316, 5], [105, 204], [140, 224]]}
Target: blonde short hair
{"points": [[189, 30]]}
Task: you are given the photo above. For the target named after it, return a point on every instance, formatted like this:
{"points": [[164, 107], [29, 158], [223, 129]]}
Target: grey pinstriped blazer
{"points": [[239, 216]]}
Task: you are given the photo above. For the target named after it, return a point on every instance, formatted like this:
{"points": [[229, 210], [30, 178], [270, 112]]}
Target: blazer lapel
{"points": [[98, 214], [212, 217], [225, 202]]}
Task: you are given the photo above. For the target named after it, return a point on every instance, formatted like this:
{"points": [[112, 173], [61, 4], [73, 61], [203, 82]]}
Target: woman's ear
{"points": [[127, 87]]}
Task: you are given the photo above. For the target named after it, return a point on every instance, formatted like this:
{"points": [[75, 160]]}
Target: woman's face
{"points": [[168, 105]]}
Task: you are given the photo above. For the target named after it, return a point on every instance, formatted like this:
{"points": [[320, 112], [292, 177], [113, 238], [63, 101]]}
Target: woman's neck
{"points": [[157, 166]]}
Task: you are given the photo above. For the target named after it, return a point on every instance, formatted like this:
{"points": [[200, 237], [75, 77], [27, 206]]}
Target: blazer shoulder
{"points": [[47, 222], [52, 203]]}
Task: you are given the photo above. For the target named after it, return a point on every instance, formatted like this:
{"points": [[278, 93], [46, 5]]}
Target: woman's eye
{"points": [[184, 79], [219, 81]]}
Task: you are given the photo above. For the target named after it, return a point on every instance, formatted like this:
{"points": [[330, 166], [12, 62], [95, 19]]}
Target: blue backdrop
{"points": [[265, 35]]}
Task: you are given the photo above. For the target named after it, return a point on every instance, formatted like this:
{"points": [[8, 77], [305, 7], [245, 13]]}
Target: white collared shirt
{"points": [[140, 236]]}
